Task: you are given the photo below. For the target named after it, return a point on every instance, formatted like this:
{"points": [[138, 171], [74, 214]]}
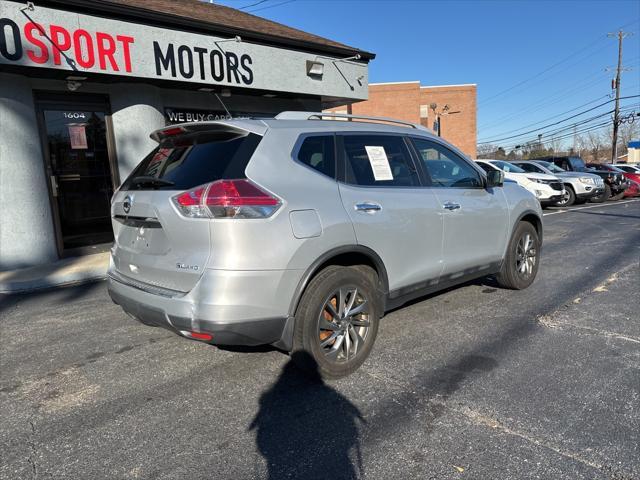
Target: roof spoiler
{"points": [[293, 115], [195, 128]]}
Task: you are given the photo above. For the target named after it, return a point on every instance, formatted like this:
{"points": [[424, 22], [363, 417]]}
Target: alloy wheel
{"points": [[343, 324], [526, 256], [565, 199]]}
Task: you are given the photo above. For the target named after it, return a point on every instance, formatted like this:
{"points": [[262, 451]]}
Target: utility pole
{"points": [[616, 114]]}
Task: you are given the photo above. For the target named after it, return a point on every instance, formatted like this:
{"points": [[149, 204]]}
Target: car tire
{"points": [[520, 265], [327, 340], [616, 197], [603, 197], [569, 199]]}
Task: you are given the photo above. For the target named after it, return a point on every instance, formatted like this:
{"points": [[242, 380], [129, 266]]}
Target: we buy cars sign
{"points": [[62, 40]]}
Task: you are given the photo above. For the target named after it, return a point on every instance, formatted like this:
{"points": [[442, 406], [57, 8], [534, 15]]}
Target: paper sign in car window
{"points": [[379, 163]]}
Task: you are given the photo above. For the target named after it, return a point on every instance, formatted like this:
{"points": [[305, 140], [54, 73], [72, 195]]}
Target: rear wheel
{"points": [[604, 196], [568, 198], [337, 321], [521, 262]]}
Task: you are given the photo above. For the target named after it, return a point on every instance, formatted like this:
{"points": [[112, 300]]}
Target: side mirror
{"points": [[495, 178]]}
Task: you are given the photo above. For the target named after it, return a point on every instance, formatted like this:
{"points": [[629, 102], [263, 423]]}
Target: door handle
{"points": [[54, 185], [451, 206], [367, 207]]}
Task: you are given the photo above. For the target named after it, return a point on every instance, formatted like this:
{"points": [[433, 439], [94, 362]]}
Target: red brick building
{"points": [[454, 105]]}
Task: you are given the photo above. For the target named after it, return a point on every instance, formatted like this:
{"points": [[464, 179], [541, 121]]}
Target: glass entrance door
{"points": [[80, 172]]}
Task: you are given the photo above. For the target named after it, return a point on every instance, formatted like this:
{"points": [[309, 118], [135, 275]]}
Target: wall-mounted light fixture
{"points": [[72, 85], [236, 39], [348, 59], [315, 69]]}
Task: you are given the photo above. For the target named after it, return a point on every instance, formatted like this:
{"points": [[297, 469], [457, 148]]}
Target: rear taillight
{"points": [[227, 199]]}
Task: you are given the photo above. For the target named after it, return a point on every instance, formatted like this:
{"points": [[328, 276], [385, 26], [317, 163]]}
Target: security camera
{"points": [[73, 86]]}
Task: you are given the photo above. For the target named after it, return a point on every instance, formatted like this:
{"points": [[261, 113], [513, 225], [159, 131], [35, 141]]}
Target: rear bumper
{"points": [[235, 307]]}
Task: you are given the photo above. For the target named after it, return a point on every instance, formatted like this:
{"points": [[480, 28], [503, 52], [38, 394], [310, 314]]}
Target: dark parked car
{"points": [[614, 182], [628, 174], [613, 169]]}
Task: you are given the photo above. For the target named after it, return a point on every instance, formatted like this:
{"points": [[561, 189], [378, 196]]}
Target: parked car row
{"points": [[564, 181]]}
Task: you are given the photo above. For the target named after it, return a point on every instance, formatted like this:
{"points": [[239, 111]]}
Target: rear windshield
{"points": [[185, 162], [578, 164]]}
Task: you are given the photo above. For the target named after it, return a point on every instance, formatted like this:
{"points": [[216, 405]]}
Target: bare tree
{"points": [[555, 144], [629, 130], [486, 150]]}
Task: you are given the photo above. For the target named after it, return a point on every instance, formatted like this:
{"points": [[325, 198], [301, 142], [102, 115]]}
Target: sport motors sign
{"points": [[48, 38]]}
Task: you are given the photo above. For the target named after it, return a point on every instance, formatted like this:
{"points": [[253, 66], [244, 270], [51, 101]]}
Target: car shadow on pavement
{"points": [[306, 429]]}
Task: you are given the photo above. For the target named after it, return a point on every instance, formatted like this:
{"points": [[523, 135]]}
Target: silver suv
{"points": [[302, 231]]}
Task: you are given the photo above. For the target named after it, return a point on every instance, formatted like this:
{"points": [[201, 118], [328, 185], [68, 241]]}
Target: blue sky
{"points": [[495, 44]]}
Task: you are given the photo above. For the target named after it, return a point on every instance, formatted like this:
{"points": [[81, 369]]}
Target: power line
{"points": [[556, 123], [534, 107], [563, 93], [271, 6], [556, 131], [553, 116], [573, 130], [539, 74], [585, 129], [253, 4]]}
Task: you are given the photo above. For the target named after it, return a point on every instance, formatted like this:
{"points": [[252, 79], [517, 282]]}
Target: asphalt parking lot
{"points": [[473, 383]]}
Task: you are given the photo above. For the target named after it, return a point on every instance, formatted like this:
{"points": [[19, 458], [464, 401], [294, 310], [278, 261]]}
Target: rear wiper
{"points": [[150, 181]]}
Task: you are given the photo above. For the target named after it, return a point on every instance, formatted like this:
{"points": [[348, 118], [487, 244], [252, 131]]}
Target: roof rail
{"points": [[294, 115]]}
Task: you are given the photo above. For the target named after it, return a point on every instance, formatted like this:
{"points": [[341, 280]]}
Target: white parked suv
{"points": [[579, 186], [549, 190]]}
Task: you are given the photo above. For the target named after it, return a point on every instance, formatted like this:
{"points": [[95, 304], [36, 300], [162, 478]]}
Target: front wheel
{"points": [[337, 321], [567, 199], [522, 260]]}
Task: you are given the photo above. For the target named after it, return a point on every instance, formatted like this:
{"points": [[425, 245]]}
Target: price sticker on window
{"points": [[379, 163]]}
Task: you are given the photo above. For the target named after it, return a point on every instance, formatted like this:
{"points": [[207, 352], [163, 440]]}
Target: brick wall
{"points": [[403, 100], [457, 128]]}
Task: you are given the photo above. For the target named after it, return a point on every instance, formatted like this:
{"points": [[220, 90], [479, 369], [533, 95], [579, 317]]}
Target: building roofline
{"points": [[449, 86], [395, 83], [150, 17]]}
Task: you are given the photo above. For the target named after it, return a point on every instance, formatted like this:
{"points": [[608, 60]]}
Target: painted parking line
{"points": [[591, 206]]}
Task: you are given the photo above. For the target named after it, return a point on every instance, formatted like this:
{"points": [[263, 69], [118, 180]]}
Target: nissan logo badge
{"points": [[126, 205]]}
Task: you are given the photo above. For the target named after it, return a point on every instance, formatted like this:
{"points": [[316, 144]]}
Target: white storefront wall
{"points": [[142, 52]]}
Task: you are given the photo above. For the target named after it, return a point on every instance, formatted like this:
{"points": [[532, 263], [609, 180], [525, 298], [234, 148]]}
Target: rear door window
{"points": [[378, 160], [184, 163], [318, 152]]}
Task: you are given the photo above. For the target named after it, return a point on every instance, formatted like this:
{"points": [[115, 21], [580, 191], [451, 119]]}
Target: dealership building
{"points": [[84, 82]]}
